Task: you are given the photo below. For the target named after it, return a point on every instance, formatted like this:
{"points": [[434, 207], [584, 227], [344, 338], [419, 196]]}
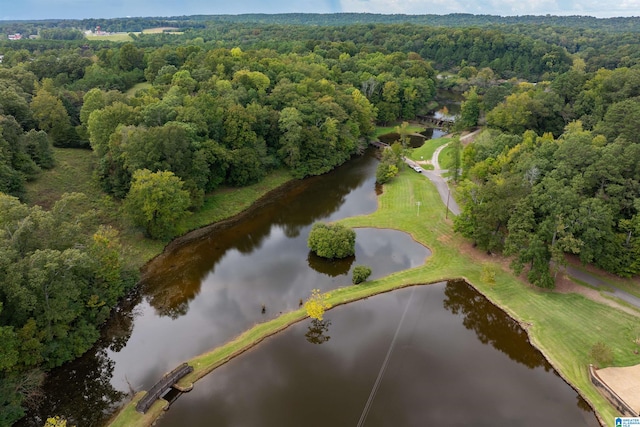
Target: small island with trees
{"points": [[332, 241], [112, 147]]}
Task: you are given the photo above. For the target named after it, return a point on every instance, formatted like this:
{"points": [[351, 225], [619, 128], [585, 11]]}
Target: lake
{"points": [[211, 286], [428, 355]]}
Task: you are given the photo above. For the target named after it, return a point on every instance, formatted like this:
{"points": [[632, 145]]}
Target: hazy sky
{"points": [[43, 9]]}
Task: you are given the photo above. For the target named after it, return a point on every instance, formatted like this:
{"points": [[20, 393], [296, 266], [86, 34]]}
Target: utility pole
{"points": [[446, 215], [418, 203]]}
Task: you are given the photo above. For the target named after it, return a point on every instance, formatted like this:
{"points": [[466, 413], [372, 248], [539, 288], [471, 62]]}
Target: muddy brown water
{"points": [[206, 291], [211, 288], [428, 355], [415, 140], [449, 104]]}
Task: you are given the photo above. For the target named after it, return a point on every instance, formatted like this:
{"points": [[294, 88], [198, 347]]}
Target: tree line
{"points": [[226, 103], [532, 48], [459, 20], [61, 274], [558, 173]]}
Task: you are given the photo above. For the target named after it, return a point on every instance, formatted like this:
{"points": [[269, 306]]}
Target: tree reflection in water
{"points": [[174, 278], [171, 282], [330, 267], [491, 324], [317, 330], [84, 394], [81, 390]]}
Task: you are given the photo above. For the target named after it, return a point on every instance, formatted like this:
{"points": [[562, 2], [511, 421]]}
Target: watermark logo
{"points": [[627, 422]]}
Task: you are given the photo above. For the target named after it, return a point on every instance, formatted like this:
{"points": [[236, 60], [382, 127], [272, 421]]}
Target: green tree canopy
{"points": [[52, 117], [332, 240], [360, 274], [469, 111], [156, 201]]}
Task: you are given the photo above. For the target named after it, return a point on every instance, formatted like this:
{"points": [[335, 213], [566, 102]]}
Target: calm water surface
{"points": [[455, 360], [201, 294], [204, 292], [415, 140], [449, 99]]}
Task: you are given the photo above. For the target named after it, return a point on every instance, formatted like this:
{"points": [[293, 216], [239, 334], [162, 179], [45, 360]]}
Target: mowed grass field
{"points": [[159, 30], [426, 151], [118, 37], [125, 37], [383, 130], [563, 326], [227, 202], [446, 159], [74, 173]]}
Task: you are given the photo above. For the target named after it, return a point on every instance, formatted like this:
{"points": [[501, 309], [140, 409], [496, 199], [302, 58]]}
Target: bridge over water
{"points": [[162, 386], [440, 122]]}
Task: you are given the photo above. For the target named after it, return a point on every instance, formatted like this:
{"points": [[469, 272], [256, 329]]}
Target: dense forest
{"points": [[487, 41], [171, 117], [557, 173], [461, 20]]}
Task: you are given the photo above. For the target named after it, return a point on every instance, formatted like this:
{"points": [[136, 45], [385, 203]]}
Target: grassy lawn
{"points": [[227, 202], [383, 130], [129, 414], [158, 30], [221, 204], [426, 151], [563, 326], [121, 37], [73, 173], [71, 163], [446, 157]]}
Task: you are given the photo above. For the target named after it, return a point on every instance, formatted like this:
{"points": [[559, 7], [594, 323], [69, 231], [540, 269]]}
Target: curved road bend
{"points": [[440, 182]]}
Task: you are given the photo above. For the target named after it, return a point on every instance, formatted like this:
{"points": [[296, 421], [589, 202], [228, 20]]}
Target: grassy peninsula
{"points": [[563, 326]]}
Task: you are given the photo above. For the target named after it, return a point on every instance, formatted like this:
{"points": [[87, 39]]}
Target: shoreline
{"points": [[201, 232], [227, 221], [526, 305], [244, 343], [239, 345]]}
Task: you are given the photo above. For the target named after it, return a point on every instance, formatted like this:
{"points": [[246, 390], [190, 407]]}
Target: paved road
{"points": [[443, 189], [436, 175], [608, 288], [436, 155], [439, 181]]}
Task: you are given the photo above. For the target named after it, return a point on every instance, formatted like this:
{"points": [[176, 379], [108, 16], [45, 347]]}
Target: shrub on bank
{"points": [[360, 274]]}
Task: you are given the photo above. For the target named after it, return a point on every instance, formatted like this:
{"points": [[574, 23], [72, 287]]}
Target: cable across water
{"points": [[385, 362]]}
